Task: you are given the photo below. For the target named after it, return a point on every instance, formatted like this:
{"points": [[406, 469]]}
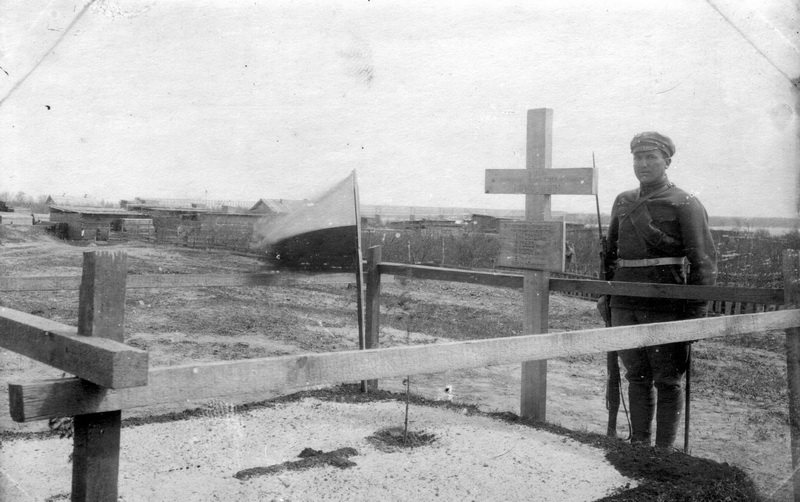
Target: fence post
{"points": [[791, 288], [373, 308], [96, 444]]}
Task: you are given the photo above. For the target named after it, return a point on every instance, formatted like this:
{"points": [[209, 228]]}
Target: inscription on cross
{"points": [[570, 181], [537, 244]]}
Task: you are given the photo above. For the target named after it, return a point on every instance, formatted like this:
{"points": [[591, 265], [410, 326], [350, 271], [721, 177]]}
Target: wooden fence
{"points": [[715, 307], [111, 376]]}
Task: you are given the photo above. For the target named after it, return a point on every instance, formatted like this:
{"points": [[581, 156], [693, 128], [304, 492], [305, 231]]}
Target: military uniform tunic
{"points": [[677, 227]]}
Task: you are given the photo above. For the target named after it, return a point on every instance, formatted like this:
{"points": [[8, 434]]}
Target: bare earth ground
{"points": [[480, 451]]}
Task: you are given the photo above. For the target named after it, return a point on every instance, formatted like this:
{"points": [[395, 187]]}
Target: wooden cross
{"points": [[539, 239], [95, 454]]}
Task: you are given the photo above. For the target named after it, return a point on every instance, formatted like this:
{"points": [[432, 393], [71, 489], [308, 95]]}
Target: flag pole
{"points": [[362, 339]]}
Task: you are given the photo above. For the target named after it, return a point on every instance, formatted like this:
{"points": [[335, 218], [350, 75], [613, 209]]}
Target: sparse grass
{"points": [[718, 367], [596, 358], [458, 322], [772, 341]]}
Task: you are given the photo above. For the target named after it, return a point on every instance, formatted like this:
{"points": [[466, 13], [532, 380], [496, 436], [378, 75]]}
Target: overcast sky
{"points": [[231, 100]]}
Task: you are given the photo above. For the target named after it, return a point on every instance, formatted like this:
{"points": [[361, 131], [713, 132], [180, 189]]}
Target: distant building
{"points": [[199, 227], [89, 223], [486, 223], [68, 200], [16, 218]]}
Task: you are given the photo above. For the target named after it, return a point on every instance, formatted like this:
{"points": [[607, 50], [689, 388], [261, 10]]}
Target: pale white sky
{"points": [[231, 100]]}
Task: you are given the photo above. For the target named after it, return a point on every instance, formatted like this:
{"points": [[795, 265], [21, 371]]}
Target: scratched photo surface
{"points": [[421, 106]]}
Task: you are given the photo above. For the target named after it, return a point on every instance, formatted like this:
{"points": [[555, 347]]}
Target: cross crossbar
{"points": [[102, 361], [570, 181]]}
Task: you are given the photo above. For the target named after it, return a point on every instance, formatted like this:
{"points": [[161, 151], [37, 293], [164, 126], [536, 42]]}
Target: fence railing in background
{"points": [[765, 299], [588, 286], [57, 283]]}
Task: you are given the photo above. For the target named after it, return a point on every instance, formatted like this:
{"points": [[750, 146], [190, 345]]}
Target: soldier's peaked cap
{"points": [[651, 140]]}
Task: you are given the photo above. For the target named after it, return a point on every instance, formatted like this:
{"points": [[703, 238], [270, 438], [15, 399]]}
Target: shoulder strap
{"points": [[641, 200], [652, 235]]}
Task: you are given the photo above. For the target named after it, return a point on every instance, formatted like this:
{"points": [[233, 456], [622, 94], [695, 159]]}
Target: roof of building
{"points": [[278, 205], [217, 205], [69, 200], [105, 211], [213, 204]]}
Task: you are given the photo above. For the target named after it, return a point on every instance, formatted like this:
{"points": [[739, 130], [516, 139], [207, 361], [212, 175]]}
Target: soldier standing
{"points": [[659, 234]]}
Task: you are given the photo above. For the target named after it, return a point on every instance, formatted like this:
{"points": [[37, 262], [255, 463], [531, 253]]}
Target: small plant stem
{"points": [[405, 427], [408, 377]]}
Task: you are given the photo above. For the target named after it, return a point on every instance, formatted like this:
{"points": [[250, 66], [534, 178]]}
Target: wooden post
{"points": [[373, 308], [791, 287], [536, 290], [95, 457]]}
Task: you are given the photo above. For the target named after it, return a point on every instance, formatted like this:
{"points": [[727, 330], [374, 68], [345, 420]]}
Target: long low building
{"points": [[8, 218], [89, 223]]}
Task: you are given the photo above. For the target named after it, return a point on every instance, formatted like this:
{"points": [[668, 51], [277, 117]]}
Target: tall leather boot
{"points": [[668, 415], [642, 403]]}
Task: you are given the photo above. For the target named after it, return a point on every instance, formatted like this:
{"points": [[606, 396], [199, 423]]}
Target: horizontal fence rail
{"points": [[727, 293], [135, 281], [64, 397]]}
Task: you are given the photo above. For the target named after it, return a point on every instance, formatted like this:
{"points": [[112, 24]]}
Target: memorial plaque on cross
{"points": [[537, 245], [532, 245]]}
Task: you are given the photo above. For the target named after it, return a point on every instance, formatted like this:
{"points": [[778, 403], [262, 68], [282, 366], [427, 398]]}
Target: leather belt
{"points": [[652, 262]]}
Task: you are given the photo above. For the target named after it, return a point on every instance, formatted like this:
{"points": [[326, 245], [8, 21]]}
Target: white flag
{"points": [[322, 234]]}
